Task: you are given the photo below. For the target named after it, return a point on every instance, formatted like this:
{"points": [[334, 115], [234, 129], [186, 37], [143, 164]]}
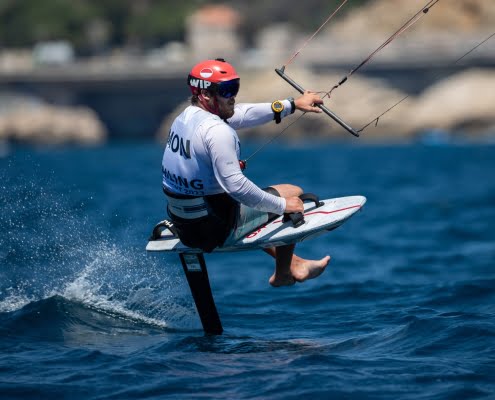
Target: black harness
{"points": [[209, 231]]}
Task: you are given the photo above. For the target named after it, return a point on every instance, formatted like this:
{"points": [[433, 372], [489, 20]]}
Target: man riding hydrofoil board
{"points": [[210, 201]]}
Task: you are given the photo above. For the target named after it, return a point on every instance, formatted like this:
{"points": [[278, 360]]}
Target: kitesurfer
{"points": [[210, 200]]}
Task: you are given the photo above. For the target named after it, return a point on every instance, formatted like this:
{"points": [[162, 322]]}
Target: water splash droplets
{"points": [[54, 246]]}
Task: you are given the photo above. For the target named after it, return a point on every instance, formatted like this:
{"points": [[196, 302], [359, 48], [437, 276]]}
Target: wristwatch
{"points": [[277, 108]]}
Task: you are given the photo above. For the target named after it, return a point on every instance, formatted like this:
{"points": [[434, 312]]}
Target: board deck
{"points": [[317, 220]]}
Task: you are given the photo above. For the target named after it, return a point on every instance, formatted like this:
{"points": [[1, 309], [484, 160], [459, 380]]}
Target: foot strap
{"points": [[298, 218], [160, 227]]}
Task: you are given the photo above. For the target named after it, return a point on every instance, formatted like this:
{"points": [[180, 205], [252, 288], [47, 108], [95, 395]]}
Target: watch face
{"points": [[277, 106]]}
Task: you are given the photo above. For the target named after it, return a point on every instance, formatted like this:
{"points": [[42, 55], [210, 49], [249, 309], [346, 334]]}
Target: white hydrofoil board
{"points": [[317, 220]]}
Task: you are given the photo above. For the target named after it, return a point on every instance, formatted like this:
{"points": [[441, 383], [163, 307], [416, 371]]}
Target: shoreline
{"points": [[459, 104]]}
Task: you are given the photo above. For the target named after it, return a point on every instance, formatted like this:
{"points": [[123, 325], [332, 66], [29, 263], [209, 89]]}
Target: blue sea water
{"points": [[405, 310]]}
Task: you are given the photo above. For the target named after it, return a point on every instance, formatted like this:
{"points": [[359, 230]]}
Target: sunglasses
{"points": [[228, 89]]}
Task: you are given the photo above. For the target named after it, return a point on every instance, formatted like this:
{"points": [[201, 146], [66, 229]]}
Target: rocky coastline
{"points": [[25, 119], [461, 105]]}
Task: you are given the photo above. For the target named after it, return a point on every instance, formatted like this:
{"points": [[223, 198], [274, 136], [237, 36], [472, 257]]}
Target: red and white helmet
{"points": [[214, 75]]}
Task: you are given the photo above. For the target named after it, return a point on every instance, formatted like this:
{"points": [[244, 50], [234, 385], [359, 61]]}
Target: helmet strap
{"points": [[204, 103]]}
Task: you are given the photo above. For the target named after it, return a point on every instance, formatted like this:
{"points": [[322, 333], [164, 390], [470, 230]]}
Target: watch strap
{"points": [[277, 108]]}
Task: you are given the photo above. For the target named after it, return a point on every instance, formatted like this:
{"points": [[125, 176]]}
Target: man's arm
{"points": [[247, 115], [220, 143], [253, 114]]}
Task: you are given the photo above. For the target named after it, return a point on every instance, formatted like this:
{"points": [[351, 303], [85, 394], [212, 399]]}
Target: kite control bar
{"points": [[336, 118]]}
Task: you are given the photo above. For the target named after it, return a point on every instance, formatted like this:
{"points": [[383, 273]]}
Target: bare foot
{"points": [[303, 270], [277, 281]]}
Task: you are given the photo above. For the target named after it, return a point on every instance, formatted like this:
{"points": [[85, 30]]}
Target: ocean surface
{"points": [[406, 309]]}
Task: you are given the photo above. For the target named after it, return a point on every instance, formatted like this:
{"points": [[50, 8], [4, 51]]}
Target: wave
{"points": [[122, 283], [56, 318], [55, 256]]}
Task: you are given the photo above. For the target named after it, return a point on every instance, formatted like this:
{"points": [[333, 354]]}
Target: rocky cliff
{"points": [[463, 104], [28, 120]]}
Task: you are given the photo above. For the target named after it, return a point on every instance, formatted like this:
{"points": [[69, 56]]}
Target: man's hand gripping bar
{"points": [[336, 118]]}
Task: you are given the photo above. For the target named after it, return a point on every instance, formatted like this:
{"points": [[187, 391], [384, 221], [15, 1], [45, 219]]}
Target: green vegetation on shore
{"points": [[93, 26]]}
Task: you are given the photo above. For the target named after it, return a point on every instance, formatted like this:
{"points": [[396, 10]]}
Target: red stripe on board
{"points": [[253, 234], [326, 212], [331, 212]]}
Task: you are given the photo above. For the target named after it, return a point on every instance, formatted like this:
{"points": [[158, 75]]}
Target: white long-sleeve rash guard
{"points": [[202, 156]]}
